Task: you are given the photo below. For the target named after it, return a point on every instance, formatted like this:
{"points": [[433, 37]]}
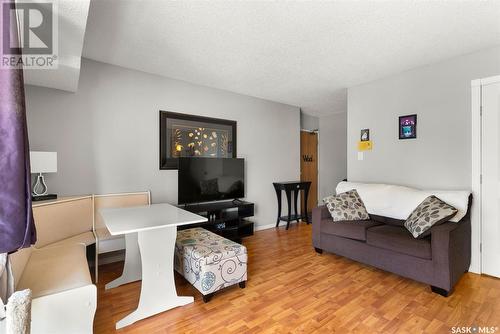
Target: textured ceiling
{"points": [[72, 17], [300, 53]]}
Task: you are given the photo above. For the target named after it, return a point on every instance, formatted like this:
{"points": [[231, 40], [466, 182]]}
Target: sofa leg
{"points": [[242, 284], [206, 298], [440, 291], [318, 250]]}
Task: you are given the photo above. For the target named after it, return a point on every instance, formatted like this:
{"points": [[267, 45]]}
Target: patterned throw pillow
{"points": [[346, 206], [432, 211]]}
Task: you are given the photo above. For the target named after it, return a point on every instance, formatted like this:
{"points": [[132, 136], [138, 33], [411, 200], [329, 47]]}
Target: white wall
{"points": [[440, 95], [308, 122], [332, 144], [332, 152], [106, 134], [440, 157]]}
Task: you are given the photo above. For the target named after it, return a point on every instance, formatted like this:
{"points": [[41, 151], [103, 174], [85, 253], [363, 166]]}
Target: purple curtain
{"points": [[17, 229]]}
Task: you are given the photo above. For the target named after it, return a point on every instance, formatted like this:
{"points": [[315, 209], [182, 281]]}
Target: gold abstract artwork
{"points": [[199, 142]]}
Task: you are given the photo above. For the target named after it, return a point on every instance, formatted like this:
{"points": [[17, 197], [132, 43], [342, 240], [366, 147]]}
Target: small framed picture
{"points": [[365, 135], [408, 127]]}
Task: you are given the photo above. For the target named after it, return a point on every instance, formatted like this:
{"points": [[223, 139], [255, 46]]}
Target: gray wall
{"points": [[332, 152], [332, 143], [106, 134], [440, 157], [308, 122]]}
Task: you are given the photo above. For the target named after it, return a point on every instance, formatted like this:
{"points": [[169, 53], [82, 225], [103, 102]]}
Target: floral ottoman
{"points": [[209, 262]]}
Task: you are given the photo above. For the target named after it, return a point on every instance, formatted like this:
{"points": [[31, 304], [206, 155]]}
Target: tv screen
{"points": [[210, 179]]}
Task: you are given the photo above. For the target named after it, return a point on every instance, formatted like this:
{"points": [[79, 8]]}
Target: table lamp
{"points": [[42, 162]]}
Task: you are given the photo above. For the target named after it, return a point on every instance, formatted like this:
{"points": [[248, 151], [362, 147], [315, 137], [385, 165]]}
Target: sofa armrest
{"points": [[318, 214], [451, 251], [321, 212], [443, 230]]}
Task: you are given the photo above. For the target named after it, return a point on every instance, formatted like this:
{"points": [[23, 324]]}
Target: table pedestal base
{"points": [[145, 312], [158, 293], [132, 270]]}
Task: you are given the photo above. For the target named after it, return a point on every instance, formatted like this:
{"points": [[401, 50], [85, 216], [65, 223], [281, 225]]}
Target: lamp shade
{"points": [[43, 162]]}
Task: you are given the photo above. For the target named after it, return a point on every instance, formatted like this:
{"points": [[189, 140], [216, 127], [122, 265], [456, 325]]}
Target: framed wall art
{"points": [[365, 135], [183, 135], [408, 127]]}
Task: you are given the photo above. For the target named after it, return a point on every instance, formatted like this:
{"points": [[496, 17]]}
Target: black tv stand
{"points": [[237, 201], [225, 218]]}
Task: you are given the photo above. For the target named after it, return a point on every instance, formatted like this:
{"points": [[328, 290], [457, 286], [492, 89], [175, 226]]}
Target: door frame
{"points": [[476, 210], [318, 157]]}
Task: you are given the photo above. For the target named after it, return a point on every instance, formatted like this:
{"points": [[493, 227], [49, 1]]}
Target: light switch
{"points": [[361, 156]]}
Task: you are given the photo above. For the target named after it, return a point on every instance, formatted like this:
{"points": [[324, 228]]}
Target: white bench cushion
{"points": [[86, 238], [62, 219], [55, 269]]}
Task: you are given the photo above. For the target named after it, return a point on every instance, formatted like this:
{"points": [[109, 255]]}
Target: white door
{"points": [[490, 194]]}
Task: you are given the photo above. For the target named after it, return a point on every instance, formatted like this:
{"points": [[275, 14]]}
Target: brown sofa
{"points": [[438, 260]]}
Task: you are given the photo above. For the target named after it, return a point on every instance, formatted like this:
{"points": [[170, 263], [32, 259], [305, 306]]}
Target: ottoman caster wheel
{"points": [[206, 298]]}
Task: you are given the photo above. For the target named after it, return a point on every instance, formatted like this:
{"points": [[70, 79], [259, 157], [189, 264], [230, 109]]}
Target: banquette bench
{"points": [[56, 269], [64, 298]]}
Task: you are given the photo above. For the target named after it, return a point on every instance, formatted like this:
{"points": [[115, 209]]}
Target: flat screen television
{"points": [[210, 179]]}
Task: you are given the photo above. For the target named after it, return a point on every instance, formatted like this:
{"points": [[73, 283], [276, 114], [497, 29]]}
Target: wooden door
{"points": [[309, 166], [490, 208]]}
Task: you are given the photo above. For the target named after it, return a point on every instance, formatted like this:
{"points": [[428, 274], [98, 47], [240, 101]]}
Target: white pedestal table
{"points": [[150, 232]]}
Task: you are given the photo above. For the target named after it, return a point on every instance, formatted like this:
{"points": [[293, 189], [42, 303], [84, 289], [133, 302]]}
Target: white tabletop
{"points": [[148, 217]]}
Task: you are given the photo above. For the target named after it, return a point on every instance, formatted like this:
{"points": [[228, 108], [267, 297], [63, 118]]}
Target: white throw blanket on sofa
{"points": [[398, 202]]}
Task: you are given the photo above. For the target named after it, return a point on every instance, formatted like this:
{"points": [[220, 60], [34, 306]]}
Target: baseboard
{"points": [[264, 227], [111, 245], [111, 257], [474, 268]]}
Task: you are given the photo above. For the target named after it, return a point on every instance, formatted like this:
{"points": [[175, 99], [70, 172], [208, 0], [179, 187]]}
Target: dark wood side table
{"points": [[292, 187]]}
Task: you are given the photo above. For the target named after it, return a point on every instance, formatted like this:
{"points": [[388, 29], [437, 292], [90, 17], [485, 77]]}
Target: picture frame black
{"points": [[364, 135], [407, 126], [166, 161]]}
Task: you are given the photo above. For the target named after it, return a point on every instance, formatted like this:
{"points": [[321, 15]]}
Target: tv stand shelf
{"points": [[225, 218]]}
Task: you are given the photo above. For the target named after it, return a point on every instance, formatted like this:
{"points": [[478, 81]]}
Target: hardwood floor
{"points": [[293, 289]]}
